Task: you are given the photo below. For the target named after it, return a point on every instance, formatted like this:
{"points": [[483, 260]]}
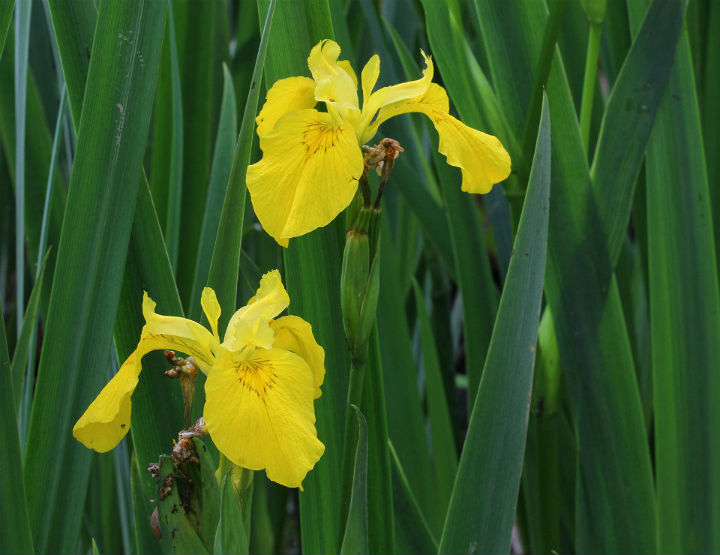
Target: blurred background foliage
{"points": [[510, 403]]}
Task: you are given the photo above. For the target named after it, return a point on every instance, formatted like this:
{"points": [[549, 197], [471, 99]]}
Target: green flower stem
{"points": [[591, 65]]}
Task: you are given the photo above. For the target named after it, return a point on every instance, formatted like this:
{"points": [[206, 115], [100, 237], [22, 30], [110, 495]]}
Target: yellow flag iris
{"points": [[262, 380], [312, 160]]}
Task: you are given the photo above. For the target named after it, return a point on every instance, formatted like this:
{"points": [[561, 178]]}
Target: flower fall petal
{"points": [[259, 412], [286, 95], [292, 333], [308, 173], [107, 419]]}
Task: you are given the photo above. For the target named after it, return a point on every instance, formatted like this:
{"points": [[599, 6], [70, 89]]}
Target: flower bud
{"points": [[359, 284]]}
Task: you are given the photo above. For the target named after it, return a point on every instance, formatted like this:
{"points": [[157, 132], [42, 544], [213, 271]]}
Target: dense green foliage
{"points": [[543, 373]]}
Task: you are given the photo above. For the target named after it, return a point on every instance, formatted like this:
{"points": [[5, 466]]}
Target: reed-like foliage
{"points": [[533, 370]]}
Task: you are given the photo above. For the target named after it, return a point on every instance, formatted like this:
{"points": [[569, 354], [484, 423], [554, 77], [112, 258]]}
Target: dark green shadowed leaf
{"points": [[175, 180], [20, 356], [615, 499], [684, 318], [86, 286], [6, 10], [482, 507], [14, 525], [219, 178], [355, 538], [231, 537], [444, 450], [225, 264], [630, 115]]}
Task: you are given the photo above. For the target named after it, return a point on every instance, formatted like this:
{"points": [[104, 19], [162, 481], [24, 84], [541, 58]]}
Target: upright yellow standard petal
{"points": [[107, 419], [259, 412], [286, 95], [391, 95], [250, 324], [482, 157], [345, 64], [333, 84], [308, 173], [211, 308], [370, 74], [173, 332], [292, 333]]}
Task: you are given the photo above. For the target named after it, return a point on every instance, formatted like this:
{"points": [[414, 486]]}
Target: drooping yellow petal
{"points": [[308, 173], [286, 95], [393, 94], [173, 332], [292, 333], [107, 419], [482, 157], [370, 74], [250, 324], [260, 414], [211, 308], [333, 84]]}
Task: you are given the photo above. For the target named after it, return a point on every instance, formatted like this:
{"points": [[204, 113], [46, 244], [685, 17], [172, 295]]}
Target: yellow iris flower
{"points": [[312, 160], [261, 383]]}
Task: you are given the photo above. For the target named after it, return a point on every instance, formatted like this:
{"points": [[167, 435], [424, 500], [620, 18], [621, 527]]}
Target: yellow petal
{"points": [[173, 332], [250, 324], [286, 95], [395, 93], [482, 157], [370, 74], [292, 333], [211, 308], [345, 64], [307, 176], [333, 84], [107, 419], [260, 414]]}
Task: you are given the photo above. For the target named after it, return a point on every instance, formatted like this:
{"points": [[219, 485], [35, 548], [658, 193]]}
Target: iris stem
{"points": [[355, 390], [591, 69]]}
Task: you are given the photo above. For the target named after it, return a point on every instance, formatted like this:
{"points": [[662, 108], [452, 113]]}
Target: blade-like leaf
{"points": [[231, 537], [630, 115], [482, 506], [684, 319], [219, 178], [355, 538], [86, 286], [14, 525], [225, 264], [589, 321]]}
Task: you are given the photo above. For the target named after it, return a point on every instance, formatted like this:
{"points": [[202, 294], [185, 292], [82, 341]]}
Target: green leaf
{"points": [[684, 319], [482, 507], [412, 518], [231, 536], [225, 264], [630, 115], [175, 184], [22, 38], [219, 178], [6, 11], [20, 356], [355, 537], [86, 286], [145, 541], [444, 450], [583, 295], [178, 533], [14, 525]]}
